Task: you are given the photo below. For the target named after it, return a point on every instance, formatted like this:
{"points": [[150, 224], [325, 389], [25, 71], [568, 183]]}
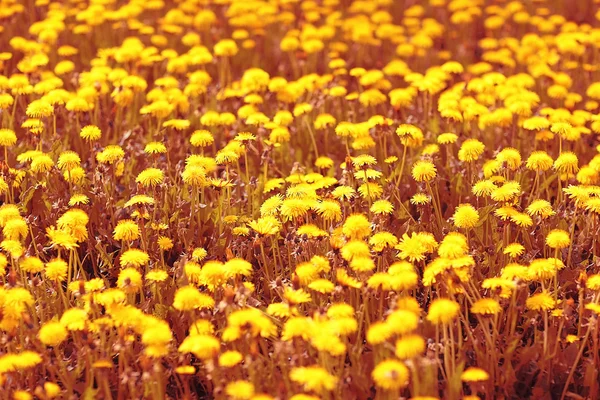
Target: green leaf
{"points": [[160, 311], [26, 198], [484, 214]]}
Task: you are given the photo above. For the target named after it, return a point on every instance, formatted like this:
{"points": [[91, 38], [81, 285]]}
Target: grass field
{"points": [[285, 199]]}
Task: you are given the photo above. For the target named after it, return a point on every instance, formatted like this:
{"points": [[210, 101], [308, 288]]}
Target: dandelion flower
{"points": [[313, 378], [442, 311], [7, 138], [541, 208], [126, 230], [470, 150], [189, 298], [465, 216], [356, 226], [130, 280], [91, 133], [593, 282], [240, 390], [230, 358], [566, 163], [540, 302], [420, 199], [134, 257], [390, 375], [52, 333], [410, 346], [150, 177], [156, 276], [447, 138], [203, 346], [514, 249], [473, 374], [486, 306], [424, 171], [558, 239]]}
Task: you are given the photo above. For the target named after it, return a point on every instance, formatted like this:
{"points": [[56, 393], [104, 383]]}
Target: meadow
{"points": [[299, 199]]}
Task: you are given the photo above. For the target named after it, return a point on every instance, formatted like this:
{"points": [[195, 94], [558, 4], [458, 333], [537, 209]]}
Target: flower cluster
{"points": [[296, 199]]}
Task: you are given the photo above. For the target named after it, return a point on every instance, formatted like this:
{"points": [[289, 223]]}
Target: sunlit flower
{"points": [[390, 374], [558, 239], [442, 311], [473, 374], [540, 302], [465, 216]]}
